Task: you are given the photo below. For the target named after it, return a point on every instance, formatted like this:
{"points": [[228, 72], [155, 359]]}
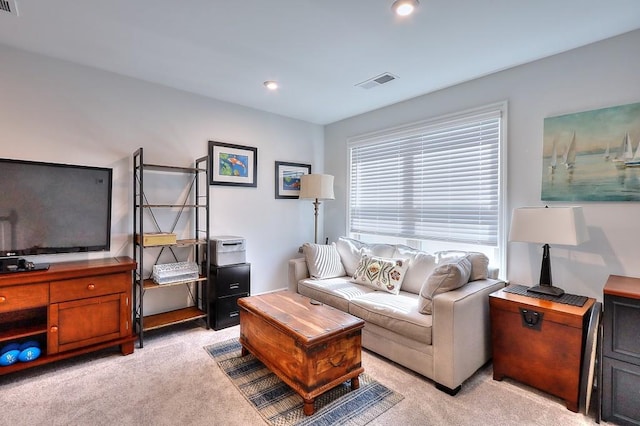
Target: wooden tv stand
{"points": [[70, 309]]}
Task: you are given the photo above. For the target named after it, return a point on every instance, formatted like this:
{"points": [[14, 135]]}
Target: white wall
{"points": [[596, 76], [55, 111]]}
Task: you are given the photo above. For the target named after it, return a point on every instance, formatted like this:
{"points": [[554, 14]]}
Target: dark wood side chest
{"points": [[539, 343], [621, 351]]}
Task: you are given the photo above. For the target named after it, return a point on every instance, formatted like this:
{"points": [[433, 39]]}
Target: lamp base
{"points": [[547, 289]]}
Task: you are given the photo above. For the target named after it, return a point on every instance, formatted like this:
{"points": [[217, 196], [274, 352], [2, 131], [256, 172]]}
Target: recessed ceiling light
{"points": [[404, 7], [270, 84]]}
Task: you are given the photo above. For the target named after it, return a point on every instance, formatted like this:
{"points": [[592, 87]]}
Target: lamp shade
{"points": [[316, 186], [549, 225]]}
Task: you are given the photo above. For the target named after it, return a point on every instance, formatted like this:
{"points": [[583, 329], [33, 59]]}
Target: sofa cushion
{"points": [[479, 266], [479, 262], [323, 261], [421, 265], [350, 251], [336, 292], [380, 250], [446, 277], [381, 273], [394, 312]]}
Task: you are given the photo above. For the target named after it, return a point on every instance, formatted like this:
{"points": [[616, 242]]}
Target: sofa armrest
{"points": [[461, 331], [297, 271]]}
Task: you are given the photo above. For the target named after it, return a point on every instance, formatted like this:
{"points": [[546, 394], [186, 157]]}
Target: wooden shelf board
{"points": [[172, 317], [179, 243], [45, 359], [22, 331]]}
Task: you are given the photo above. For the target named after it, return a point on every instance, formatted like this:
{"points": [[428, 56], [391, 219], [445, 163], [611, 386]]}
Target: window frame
{"points": [[498, 255]]}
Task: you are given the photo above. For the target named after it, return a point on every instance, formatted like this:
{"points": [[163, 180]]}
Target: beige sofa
{"points": [[447, 344]]}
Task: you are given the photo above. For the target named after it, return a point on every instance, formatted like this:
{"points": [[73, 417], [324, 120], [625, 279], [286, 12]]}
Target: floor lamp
{"points": [[548, 225], [316, 187]]}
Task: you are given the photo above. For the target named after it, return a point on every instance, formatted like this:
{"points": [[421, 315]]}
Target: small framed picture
{"points": [[288, 178], [233, 165]]}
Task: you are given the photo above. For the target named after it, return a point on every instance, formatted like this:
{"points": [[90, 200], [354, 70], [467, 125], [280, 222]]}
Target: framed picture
{"points": [[288, 178], [592, 155], [233, 165]]}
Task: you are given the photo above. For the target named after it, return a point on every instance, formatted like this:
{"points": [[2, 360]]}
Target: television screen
{"points": [[53, 208]]}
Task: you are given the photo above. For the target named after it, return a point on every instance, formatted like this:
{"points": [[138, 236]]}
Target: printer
{"points": [[227, 250]]}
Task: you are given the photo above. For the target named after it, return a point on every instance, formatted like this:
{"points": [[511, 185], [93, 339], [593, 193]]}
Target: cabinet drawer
{"points": [[622, 328], [81, 288], [230, 280], [227, 312], [620, 390], [18, 297]]}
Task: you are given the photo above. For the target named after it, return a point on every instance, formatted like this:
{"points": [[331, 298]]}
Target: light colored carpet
{"points": [[173, 381], [278, 403]]}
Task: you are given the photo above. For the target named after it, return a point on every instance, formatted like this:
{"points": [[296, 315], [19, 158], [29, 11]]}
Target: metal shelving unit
{"points": [[194, 207]]}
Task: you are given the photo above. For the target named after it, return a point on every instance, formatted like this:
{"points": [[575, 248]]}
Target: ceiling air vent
{"points": [[377, 81], [9, 6]]}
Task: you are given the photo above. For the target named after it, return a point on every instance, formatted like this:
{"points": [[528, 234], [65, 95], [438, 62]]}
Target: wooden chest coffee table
{"points": [[312, 348]]}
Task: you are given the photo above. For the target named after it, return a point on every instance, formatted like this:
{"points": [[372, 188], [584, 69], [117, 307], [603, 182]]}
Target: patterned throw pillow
{"points": [[323, 261], [381, 273]]}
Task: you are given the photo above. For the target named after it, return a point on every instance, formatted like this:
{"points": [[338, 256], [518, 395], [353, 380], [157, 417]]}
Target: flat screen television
{"points": [[50, 208]]}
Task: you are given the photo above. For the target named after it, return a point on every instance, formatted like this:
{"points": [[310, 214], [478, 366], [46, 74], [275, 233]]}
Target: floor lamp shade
{"points": [[548, 225], [316, 187]]}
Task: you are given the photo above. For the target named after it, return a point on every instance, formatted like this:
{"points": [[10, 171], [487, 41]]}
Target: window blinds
{"points": [[429, 182]]}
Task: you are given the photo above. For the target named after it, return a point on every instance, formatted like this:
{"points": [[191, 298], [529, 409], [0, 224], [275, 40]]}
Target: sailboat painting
{"points": [[592, 155]]}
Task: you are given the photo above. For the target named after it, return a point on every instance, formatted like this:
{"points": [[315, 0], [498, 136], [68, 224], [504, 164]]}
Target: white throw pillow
{"points": [[479, 266], [446, 277], [323, 261], [349, 250], [448, 256], [380, 250], [381, 273], [479, 262], [421, 265]]}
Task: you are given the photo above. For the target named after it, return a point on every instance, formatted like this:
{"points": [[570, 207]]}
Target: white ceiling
{"points": [[318, 50]]}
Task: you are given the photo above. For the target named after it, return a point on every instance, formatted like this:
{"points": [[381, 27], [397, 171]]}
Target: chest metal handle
{"points": [[531, 319]]}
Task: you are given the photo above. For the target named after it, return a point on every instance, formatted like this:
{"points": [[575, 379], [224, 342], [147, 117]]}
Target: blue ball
{"points": [[9, 347], [29, 354], [10, 357], [29, 344]]}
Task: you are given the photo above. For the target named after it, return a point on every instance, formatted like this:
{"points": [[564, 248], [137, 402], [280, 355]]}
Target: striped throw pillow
{"points": [[323, 261]]}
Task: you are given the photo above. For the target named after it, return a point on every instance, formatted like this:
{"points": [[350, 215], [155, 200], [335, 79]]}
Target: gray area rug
{"points": [[279, 405]]}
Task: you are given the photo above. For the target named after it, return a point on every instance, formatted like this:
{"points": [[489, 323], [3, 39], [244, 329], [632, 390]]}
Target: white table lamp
{"points": [[548, 225]]}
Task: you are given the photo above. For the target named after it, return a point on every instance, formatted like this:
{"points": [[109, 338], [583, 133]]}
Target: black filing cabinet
{"points": [[226, 285], [621, 351]]}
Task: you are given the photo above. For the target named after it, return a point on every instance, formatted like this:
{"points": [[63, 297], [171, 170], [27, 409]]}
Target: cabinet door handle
{"points": [[234, 314], [54, 328], [234, 286], [3, 299], [91, 286]]}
